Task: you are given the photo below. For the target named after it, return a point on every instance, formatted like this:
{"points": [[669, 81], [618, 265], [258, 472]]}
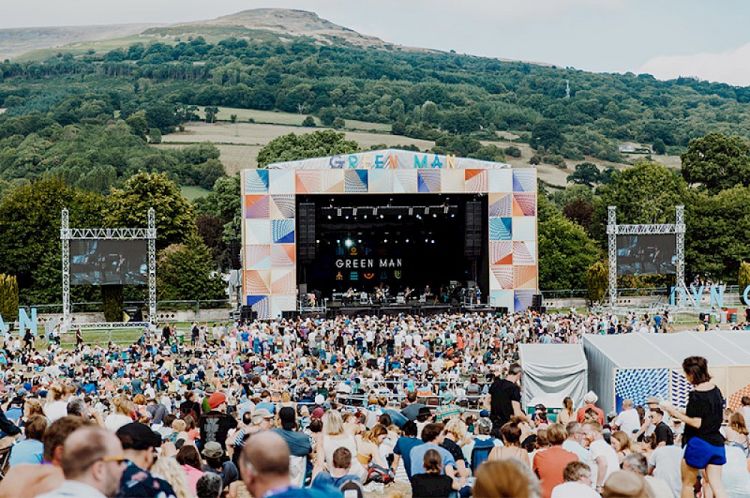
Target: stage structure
{"points": [[94, 263], [301, 219], [624, 239]]}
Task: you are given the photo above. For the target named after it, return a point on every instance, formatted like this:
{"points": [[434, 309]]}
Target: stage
{"points": [[334, 309], [388, 223]]}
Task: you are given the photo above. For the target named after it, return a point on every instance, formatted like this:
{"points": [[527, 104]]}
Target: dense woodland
{"points": [[76, 133]]}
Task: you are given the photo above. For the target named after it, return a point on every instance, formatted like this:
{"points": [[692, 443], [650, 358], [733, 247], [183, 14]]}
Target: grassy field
{"points": [[287, 118], [239, 143], [192, 192]]}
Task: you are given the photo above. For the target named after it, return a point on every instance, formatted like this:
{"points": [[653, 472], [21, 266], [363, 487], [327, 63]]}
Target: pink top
{"points": [[192, 475]]}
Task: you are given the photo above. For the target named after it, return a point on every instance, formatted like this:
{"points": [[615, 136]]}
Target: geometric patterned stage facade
{"points": [[269, 202]]}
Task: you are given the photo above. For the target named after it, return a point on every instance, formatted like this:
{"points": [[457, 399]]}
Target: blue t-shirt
{"points": [[324, 480], [417, 457], [403, 447], [26, 451]]}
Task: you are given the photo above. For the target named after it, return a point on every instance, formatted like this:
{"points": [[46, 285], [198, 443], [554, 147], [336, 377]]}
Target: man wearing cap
{"points": [[214, 462], [139, 444], [590, 399], [216, 424], [299, 443]]}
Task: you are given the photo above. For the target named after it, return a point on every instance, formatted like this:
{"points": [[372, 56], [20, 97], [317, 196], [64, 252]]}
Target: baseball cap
{"points": [[216, 399], [260, 414], [137, 436]]}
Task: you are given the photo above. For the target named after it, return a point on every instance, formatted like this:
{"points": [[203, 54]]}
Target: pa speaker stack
{"points": [[473, 230], [306, 232], [536, 304]]}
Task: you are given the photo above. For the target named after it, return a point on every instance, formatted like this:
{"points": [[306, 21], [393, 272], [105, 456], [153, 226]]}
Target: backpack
{"points": [[481, 452], [352, 489]]}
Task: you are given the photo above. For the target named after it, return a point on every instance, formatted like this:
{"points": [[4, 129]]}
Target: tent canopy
{"points": [[721, 349], [551, 372]]}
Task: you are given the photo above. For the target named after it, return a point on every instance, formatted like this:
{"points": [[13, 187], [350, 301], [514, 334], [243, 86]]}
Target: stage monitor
{"points": [[108, 262], [646, 254]]}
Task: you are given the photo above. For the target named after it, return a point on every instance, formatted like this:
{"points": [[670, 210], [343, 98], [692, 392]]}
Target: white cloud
{"points": [[727, 67]]}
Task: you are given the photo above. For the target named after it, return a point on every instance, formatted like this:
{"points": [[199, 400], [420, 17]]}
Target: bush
{"points": [[338, 123], [744, 276], [309, 122], [512, 151], [154, 136], [597, 281]]}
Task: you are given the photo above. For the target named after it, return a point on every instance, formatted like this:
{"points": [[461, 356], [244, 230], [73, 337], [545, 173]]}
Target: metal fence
{"points": [[98, 307]]}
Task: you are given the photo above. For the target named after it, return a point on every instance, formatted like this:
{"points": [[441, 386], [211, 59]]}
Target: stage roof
{"points": [[389, 159], [720, 348]]}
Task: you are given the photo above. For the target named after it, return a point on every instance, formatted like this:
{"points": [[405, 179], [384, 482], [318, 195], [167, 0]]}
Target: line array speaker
{"points": [[473, 229], [306, 232]]}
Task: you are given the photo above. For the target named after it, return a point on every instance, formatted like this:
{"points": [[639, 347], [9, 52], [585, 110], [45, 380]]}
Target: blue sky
{"points": [[703, 38]]}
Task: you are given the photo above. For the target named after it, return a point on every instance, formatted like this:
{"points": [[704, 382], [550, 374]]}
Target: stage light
{"points": [[399, 217], [419, 216], [317, 241], [381, 216], [385, 240], [434, 215], [426, 240], [338, 241], [359, 241], [329, 216], [346, 217], [453, 215], [407, 241], [348, 242], [432, 241]]}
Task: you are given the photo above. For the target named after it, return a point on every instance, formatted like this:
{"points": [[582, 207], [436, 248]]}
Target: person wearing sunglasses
{"points": [[92, 463]]}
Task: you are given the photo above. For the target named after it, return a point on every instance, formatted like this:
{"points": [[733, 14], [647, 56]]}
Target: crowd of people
{"points": [[401, 406]]}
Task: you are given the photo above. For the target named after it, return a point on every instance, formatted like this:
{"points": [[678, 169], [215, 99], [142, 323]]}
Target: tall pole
{"points": [[65, 242], [679, 229], [151, 265], [612, 253]]}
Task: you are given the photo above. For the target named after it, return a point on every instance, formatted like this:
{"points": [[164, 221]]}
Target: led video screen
{"points": [[646, 254], [108, 262]]}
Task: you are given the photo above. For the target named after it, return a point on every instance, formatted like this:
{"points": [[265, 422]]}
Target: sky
{"points": [[708, 39]]}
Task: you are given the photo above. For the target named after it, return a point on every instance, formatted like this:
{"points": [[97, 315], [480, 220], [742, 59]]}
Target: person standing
{"points": [[603, 456], [505, 398], [704, 444]]}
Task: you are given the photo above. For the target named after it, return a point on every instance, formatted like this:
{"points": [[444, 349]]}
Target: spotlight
{"points": [[346, 217], [419, 216], [453, 215], [432, 241], [329, 216], [348, 242], [399, 217], [426, 240], [385, 240], [407, 241], [381, 216], [317, 241], [365, 216], [434, 215], [338, 241]]}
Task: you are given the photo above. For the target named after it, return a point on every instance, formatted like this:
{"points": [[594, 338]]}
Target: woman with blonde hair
{"points": [[505, 479], [368, 446], [122, 413], [455, 438], [57, 402], [736, 432], [335, 437], [620, 442], [171, 471]]}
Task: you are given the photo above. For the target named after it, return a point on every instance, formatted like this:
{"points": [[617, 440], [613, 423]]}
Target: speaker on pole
{"points": [[306, 232], [473, 229]]}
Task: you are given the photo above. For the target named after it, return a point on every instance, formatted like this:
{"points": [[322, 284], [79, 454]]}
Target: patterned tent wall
{"points": [[269, 202], [639, 384]]}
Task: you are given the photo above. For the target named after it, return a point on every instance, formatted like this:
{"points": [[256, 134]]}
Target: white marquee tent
{"points": [[551, 372], [636, 366]]}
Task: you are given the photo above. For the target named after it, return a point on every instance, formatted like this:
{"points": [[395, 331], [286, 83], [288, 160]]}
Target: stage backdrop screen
{"points": [[646, 254], [108, 262]]}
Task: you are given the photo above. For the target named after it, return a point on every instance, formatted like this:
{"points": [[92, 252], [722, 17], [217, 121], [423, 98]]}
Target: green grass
{"points": [[193, 192], [287, 118]]}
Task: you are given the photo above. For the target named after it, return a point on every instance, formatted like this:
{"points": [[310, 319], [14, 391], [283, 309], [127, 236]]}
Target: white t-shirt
{"points": [[600, 448], [574, 490], [628, 421], [666, 461]]}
